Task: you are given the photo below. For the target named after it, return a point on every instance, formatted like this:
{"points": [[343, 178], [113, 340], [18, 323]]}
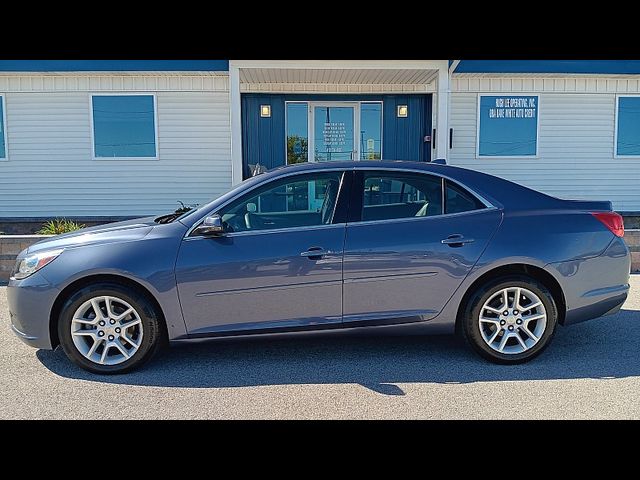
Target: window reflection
{"points": [[334, 133], [370, 131], [297, 133]]}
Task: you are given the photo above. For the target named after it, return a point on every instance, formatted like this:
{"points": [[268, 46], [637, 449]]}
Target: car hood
{"points": [[110, 233]]}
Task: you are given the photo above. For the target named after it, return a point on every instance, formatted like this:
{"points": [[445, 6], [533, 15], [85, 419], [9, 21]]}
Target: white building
{"points": [[110, 139]]}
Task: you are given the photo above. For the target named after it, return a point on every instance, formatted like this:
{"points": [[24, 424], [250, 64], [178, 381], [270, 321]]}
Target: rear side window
{"points": [[400, 195], [458, 200]]}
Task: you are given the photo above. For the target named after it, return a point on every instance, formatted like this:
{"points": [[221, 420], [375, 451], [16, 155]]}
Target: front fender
{"points": [[149, 262]]}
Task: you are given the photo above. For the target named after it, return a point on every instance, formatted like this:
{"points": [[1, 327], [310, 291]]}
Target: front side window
{"points": [[400, 195], [508, 125], [628, 134], [124, 126], [3, 132], [296, 201]]}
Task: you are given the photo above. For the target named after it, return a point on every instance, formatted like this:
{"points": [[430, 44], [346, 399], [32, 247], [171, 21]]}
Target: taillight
{"points": [[612, 220]]}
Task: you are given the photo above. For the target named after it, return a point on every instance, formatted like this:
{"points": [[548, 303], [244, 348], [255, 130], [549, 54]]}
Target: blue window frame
{"points": [[3, 131], [124, 126], [628, 129], [507, 125]]}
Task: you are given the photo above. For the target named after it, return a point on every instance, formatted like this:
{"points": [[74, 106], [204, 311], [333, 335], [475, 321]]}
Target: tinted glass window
{"points": [[508, 125], [628, 142], [124, 126], [297, 201], [3, 147], [400, 195], [370, 131], [297, 132], [459, 200]]}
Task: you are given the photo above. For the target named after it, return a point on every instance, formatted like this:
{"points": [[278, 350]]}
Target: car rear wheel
{"points": [[108, 328], [510, 320]]}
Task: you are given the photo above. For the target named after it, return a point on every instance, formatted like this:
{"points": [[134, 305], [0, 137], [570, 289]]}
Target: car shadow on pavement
{"points": [[605, 348]]}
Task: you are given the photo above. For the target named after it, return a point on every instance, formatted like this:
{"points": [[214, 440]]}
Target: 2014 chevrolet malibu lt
{"points": [[376, 245]]}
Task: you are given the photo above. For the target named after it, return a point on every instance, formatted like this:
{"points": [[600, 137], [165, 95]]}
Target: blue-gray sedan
{"points": [[416, 247]]}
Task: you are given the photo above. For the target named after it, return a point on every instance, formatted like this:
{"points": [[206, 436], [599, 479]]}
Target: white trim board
{"points": [[521, 84], [22, 83]]}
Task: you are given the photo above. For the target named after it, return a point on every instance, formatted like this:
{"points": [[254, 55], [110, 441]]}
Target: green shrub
{"points": [[58, 226]]}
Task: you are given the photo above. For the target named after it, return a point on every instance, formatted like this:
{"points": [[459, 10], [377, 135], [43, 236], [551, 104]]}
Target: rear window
{"points": [[459, 200]]}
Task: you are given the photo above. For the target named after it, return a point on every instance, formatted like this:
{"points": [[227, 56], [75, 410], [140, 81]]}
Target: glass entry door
{"points": [[329, 132], [335, 131]]}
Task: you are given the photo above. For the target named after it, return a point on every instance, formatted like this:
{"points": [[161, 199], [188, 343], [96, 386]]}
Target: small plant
{"points": [[58, 226]]}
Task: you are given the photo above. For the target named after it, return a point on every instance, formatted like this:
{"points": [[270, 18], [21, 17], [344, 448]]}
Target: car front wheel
{"points": [[108, 328], [510, 320]]}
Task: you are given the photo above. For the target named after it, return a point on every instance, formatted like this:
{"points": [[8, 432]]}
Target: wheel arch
{"points": [[529, 270], [80, 283]]}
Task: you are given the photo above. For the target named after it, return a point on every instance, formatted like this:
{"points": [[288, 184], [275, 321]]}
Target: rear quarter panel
{"points": [[547, 236], [538, 238]]}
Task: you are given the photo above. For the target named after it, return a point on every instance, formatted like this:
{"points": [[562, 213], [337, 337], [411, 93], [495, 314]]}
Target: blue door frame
{"points": [[264, 138]]}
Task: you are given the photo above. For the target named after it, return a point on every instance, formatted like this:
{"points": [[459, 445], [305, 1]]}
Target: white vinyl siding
{"points": [[50, 171], [575, 145]]}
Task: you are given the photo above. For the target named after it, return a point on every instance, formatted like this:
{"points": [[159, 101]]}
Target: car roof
{"points": [[352, 165]]}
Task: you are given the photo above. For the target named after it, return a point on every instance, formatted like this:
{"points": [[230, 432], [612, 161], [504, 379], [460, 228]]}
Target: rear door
{"points": [[411, 240]]}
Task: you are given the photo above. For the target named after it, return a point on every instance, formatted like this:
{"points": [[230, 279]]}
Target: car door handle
{"points": [[456, 240], [314, 253]]}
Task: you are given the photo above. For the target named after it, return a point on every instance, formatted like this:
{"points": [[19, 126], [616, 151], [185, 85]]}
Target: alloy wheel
{"points": [[106, 330], [512, 320]]}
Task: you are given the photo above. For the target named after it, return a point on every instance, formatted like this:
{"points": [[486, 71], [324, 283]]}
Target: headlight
{"points": [[34, 262]]}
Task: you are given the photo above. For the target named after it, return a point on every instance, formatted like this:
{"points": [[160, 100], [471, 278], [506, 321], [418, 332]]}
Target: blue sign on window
{"points": [[628, 140], [508, 126]]}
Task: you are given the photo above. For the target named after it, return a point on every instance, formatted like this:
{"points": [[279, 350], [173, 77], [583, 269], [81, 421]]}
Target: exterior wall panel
{"points": [[50, 172], [575, 144]]}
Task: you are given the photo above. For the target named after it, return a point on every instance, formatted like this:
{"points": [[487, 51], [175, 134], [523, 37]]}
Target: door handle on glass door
{"points": [[314, 253], [456, 240]]}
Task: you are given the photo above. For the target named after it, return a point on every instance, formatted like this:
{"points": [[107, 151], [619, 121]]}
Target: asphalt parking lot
{"points": [[591, 371]]}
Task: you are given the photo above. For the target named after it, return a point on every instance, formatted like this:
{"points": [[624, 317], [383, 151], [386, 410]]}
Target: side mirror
{"points": [[212, 226]]}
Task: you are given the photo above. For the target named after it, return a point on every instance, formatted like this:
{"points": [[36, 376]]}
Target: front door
{"points": [[335, 131], [279, 265], [408, 250]]}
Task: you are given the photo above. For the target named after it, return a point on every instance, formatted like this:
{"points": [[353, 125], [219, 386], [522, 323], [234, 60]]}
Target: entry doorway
{"points": [[280, 129], [333, 131]]}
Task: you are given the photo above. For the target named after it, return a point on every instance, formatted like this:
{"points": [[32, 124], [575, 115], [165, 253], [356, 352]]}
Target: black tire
{"points": [[470, 319], [152, 329]]}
